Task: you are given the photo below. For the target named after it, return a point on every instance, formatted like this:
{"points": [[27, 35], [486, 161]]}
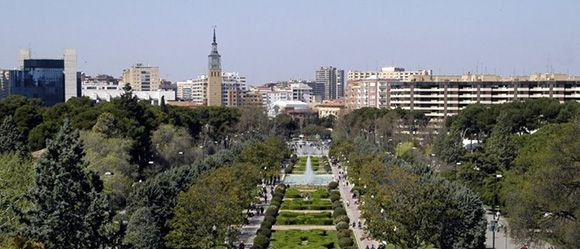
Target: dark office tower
{"points": [[333, 80], [50, 80]]}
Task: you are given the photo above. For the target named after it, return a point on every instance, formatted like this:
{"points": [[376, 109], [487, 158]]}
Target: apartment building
{"points": [[387, 73], [233, 88], [142, 77], [333, 81], [443, 96]]}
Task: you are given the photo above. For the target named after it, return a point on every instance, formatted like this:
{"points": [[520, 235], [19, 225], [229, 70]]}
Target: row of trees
{"points": [[409, 205], [532, 144]]}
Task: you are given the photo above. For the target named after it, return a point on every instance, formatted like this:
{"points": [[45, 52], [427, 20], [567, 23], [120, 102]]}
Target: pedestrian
{"points": [[353, 224], [262, 210], [367, 247], [241, 245], [373, 246], [359, 225]]}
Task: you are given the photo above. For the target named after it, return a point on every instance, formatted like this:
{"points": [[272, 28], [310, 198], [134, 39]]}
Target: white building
{"points": [[195, 90], [395, 73], [154, 97]]}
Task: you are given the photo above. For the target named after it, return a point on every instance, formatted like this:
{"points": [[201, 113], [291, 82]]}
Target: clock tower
{"points": [[214, 76]]}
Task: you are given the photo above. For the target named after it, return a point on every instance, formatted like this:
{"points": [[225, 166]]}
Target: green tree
{"points": [[143, 231], [501, 149], [11, 140], [16, 179], [542, 192], [211, 209], [173, 146], [106, 124], [69, 209]]}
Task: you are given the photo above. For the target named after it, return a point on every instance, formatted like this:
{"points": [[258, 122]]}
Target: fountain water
{"points": [[308, 173]]}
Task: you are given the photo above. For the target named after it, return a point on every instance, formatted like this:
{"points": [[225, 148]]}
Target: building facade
{"points": [[196, 90], [333, 81], [387, 73], [442, 96], [50, 80], [142, 77], [214, 85]]}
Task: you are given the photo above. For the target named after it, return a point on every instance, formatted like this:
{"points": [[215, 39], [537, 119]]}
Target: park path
{"points": [[353, 212], [248, 232]]}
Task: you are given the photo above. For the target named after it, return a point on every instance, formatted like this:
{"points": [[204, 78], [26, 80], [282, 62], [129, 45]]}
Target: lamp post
{"points": [[495, 217]]}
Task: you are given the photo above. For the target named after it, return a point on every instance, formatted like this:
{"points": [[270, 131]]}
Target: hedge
{"points": [[332, 185], [345, 242]]}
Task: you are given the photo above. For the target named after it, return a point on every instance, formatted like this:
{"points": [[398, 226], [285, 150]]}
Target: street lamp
{"points": [[495, 219]]}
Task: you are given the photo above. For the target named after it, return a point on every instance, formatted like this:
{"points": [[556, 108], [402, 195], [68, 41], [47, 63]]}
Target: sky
{"points": [[267, 40]]}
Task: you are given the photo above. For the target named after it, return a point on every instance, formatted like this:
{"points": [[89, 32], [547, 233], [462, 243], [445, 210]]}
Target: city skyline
{"points": [[277, 41]]}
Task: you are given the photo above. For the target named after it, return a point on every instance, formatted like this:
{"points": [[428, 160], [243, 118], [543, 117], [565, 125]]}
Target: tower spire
{"points": [[214, 40]]}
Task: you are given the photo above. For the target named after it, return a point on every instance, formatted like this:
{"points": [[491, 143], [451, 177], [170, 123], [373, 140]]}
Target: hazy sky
{"points": [[277, 40]]}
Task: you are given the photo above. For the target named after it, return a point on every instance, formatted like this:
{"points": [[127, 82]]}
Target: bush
{"points": [[334, 196], [271, 211], [336, 204], [288, 170], [338, 212], [342, 218], [275, 203], [333, 185], [265, 231], [344, 242], [345, 233], [261, 242], [342, 226], [268, 222]]}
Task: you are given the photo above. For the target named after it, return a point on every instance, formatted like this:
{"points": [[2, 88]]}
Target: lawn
{"points": [[297, 193], [313, 239], [300, 166], [294, 218], [301, 204]]}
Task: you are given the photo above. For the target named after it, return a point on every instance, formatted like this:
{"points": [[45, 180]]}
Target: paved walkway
{"points": [[353, 212], [248, 232]]}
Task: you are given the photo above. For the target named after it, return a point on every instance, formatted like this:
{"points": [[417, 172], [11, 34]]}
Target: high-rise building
{"points": [[45, 79], [142, 77], [333, 80], [214, 86], [71, 77], [195, 90]]}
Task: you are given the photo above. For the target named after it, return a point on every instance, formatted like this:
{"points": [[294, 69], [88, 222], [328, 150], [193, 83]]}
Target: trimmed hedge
{"points": [[342, 218], [345, 242], [261, 242], [342, 226], [338, 212], [332, 185], [334, 196], [271, 211]]}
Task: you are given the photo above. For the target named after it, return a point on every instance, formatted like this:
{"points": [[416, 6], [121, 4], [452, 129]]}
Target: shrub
{"points": [[336, 204], [333, 185], [288, 170], [342, 226], [342, 218], [338, 212], [334, 196], [268, 222], [343, 233], [271, 211], [261, 242], [344, 242], [265, 231]]}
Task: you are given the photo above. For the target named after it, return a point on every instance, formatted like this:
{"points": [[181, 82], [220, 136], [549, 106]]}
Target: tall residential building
{"points": [[142, 77], [214, 86], [387, 73], [45, 79], [442, 96], [317, 90], [23, 54], [333, 80]]}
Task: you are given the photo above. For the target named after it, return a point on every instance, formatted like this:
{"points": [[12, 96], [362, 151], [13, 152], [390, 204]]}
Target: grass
{"points": [[297, 193], [313, 239], [301, 204], [292, 218], [300, 166]]}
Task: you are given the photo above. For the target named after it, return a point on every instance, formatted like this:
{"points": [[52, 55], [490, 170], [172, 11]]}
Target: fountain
{"points": [[309, 177], [309, 173]]}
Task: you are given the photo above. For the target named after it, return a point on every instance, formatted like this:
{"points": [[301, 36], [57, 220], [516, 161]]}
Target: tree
{"points": [[16, 178], [69, 209], [500, 147], [106, 125], [11, 140], [143, 232], [211, 209], [173, 145], [542, 193]]}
